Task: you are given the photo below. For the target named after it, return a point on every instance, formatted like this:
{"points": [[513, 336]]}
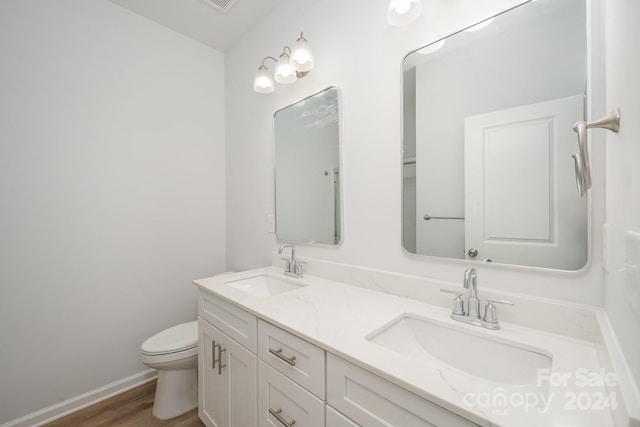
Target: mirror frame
{"points": [[594, 100]]}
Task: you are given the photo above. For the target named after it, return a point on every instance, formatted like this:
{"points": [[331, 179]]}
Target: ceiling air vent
{"points": [[222, 6]]}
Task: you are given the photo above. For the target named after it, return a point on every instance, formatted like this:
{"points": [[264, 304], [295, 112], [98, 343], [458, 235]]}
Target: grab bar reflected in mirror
{"points": [[581, 158]]}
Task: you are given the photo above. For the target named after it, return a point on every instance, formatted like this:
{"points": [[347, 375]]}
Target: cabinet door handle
{"points": [[213, 354], [278, 353], [278, 417], [220, 363], [219, 359]]}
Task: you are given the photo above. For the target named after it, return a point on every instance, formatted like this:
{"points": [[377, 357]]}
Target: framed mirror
{"points": [[306, 145], [487, 140]]}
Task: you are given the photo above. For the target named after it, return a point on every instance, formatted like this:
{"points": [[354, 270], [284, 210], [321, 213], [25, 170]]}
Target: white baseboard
{"points": [[72, 405]]}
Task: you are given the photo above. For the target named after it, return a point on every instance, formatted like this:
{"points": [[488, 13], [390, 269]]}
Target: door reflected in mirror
{"points": [[487, 140], [306, 139]]}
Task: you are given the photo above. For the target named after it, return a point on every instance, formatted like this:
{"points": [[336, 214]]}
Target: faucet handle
{"points": [[297, 270], [490, 312], [492, 300], [458, 303]]}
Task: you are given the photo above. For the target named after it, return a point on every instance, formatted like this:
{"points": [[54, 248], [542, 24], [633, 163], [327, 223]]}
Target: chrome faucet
{"points": [[291, 267], [472, 316], [471, 282]]}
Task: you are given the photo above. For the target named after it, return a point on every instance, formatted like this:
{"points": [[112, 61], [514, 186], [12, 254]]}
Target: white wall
{"points": [[111, 192], [623, 170], [356, 49]]}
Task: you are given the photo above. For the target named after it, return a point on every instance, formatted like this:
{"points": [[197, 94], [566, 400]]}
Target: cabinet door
{"points": [[227, 380]]}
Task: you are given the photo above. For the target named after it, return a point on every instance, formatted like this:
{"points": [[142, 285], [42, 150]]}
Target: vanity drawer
{"points": [[282, 402], [372, 401], [294, 357], [233, 321]]}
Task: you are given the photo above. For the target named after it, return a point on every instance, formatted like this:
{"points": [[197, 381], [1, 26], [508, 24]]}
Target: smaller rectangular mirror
{"points": [[306, 140]]}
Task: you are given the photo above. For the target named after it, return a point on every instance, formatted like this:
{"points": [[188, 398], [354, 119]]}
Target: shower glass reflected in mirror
{"points": [[306, 139], [487, 140]]}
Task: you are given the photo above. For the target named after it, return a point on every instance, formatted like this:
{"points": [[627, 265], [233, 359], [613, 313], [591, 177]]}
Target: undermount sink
{"points": [[491, 360], [264, 286]]}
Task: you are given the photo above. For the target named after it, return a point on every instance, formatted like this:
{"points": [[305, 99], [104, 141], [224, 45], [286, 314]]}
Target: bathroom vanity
{"points": [[311, 351]]}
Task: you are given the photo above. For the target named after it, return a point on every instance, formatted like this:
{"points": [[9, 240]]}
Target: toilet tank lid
{"points": [[176, 338]]}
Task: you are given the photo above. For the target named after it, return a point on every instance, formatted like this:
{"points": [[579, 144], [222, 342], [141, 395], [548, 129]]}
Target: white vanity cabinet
{"points": [[227, 369], [374, 402], [254, 374]]}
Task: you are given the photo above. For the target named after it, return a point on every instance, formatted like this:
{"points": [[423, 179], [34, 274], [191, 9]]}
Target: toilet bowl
{"points": [[174, 353]]}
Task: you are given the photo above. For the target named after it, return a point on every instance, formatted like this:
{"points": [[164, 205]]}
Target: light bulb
{"points": [[284, 72], [263, 82], [403, 12], [301, 56], [401, 6]]}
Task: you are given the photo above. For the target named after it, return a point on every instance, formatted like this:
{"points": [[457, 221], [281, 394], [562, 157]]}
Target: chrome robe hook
{"points": [[581, 158]]}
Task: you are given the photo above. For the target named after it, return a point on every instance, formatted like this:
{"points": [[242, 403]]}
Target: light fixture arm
{"points": [[265, 59]]}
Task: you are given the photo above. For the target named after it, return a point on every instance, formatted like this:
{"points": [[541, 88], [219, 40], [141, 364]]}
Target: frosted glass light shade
{"points": [[403, 12], [284, 72], [263, 82], [301, 56]]}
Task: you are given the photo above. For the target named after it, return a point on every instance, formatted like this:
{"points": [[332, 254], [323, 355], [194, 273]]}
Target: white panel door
{"points": [[521, 202]]}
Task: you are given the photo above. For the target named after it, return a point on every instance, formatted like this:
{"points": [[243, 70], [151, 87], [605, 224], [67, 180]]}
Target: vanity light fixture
{"points": [[290, 66], [403, 12]]}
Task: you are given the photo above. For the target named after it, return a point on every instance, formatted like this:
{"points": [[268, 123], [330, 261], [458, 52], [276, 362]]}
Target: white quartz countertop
{"points": [[338, 318]]}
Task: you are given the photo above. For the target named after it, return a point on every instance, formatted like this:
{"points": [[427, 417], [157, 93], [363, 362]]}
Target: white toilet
{"points": [[174, 353]]}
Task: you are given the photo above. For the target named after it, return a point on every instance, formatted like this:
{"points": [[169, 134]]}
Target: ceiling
{"points": [[200, 21]]}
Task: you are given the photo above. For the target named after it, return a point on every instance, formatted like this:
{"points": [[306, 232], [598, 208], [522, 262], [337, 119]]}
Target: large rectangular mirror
{"points": [[306, 156], [487, 140]]}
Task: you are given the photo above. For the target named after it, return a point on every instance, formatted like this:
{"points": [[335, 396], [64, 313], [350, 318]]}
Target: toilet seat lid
{"points": [[177, 338]]}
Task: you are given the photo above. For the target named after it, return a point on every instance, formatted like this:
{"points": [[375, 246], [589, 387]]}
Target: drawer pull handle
{"points": [[278, 417], [278, 353], [219, 359]]}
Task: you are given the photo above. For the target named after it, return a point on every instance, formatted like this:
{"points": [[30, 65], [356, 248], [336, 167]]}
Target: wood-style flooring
{"points": [[129, 409]]}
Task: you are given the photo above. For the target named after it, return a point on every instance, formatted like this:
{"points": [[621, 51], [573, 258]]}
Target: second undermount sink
{"points": [[264, 286], [496, 361]]}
